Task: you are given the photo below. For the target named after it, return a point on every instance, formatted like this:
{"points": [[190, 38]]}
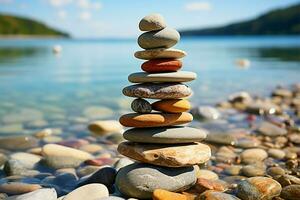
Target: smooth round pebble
{"points": [[58, 156], [160, 194], [253, 155], [164, 38], [215, 195], [88, 192], [103, 127], [252, 170], [258, 188], [276, 153], [141, 106], [291, 192], [40, 194], [172, 105], [152, 22], [207, 174], [139, 180]]}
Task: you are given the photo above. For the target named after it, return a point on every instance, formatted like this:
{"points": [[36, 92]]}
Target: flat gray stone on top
{"points": [[165, 135], [152, 22]]}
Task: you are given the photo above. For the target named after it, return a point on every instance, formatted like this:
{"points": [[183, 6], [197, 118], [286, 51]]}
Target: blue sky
{"points": [[119, 18]]}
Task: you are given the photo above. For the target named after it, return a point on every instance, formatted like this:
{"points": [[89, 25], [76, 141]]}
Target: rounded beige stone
{"points": [[166, 155]]}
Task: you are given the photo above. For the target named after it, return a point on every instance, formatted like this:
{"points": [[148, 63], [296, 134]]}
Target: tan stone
{"points": [[103, 127], [160, 194], [172, 105], [155, 119], [166, 155]]}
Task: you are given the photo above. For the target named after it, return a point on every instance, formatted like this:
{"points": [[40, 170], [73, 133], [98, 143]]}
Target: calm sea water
{"points": [[41, 89]]}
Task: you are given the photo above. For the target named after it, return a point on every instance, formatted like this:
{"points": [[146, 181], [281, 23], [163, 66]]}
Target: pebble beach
{"points": [[245, 147]]}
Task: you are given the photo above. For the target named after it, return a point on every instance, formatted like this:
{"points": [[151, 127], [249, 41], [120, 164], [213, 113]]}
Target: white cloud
{"points": [[198, 6], [86, 4], [62, 14], [59, 3], [85, 16]]}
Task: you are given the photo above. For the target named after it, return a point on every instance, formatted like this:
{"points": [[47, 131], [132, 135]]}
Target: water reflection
{"points": [[283, 54], [12, 54]]}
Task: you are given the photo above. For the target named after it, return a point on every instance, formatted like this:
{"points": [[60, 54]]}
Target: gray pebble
{"points": [[141, 106], [139, 180], [152, 22], [164, 38]]}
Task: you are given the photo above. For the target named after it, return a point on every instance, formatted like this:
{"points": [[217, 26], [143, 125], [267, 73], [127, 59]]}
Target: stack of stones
{"points": [[165, 150]]}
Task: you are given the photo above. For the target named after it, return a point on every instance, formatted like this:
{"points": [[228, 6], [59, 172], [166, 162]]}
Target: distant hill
{"points": [[284, 21], [20, 26]]}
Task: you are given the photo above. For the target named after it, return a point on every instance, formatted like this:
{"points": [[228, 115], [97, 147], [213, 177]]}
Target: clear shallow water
{"points": [[39, 89]]}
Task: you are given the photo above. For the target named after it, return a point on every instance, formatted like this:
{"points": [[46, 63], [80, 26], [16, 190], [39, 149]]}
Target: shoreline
{"points": [[253, 140], [3, 37]]}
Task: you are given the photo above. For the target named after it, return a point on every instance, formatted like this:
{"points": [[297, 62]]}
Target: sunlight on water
{"points": [[85, 80]]}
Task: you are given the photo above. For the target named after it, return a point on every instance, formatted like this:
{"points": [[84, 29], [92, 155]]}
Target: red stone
{"points": [[161, 65]]}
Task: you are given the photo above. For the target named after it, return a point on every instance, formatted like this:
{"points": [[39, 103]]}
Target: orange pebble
{"points": [[172, 105], [160, 194], [161, 65]]}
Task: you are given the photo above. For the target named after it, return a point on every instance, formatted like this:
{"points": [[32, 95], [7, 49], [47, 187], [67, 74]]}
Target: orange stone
{"points": [[161, 65], [172, 105], [160, 194], [155, 119]]}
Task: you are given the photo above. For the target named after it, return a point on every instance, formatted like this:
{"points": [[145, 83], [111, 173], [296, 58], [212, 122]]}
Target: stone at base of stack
{"points": [[166, 149]]}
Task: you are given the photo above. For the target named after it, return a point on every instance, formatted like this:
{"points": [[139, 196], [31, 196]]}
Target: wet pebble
{"points": [[28, 160], [291, 192], [275, 171], [207, 174], [269, 129], [122, 162], [253, 155], [58, 156], [15, 188], [215, 195], [266, 188], [140, 180], [18, 142], [203, 184], [286, 180], [252, 170], [104, 127], [205, 113], [276, 153], [88, 192], [44, 194], [105, 176], [233, 170]]}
